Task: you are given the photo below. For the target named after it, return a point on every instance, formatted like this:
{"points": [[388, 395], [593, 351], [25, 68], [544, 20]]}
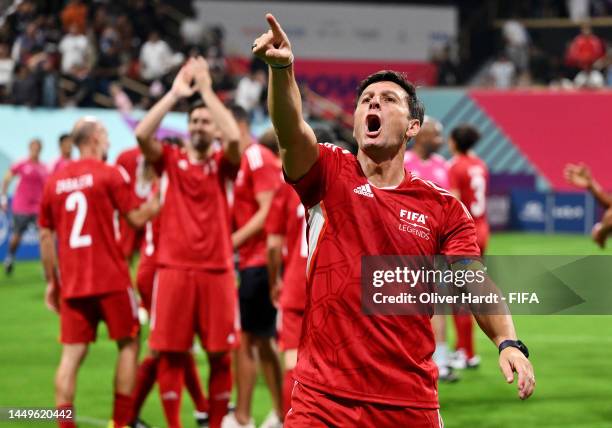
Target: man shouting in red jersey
{"points": [[353, 369]]}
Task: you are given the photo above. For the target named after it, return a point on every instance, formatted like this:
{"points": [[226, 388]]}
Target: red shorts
{"points": [[145, 278], [186, 302], [482, 235], [289, 328], [79, 316], [310, 408]]}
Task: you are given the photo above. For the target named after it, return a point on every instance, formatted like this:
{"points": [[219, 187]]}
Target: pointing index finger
{"points": [[275, 26]]}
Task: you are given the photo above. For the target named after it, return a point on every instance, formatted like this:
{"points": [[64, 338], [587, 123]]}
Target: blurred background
{"points": [[533, 76]]}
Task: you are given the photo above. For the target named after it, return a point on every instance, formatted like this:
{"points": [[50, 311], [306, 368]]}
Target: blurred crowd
{"points": [[110, 53]]}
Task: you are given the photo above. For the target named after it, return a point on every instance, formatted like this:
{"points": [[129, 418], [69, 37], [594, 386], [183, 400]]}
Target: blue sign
{"points": [[552, 212]]}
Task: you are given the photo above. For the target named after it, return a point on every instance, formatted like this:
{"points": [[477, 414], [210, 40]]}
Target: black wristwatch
{"points": [[515, 344]]}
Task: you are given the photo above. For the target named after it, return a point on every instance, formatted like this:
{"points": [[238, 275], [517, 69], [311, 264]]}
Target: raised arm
{"points": [[298, 144], [580, 176], [223, 118], [8, 177], [147, 127]]}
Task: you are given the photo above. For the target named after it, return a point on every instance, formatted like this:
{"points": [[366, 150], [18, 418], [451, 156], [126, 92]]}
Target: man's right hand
{"points": [[273, 46], [183, 85], [52, 297], [578, 174]]}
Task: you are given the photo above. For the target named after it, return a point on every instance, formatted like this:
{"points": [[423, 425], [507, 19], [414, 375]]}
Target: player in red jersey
{"points": [[93, 281], [195, 289], [133, 163], [65, 157], [258, 179], [286, 228], [355, 369], [145, 280], [468, 178]]}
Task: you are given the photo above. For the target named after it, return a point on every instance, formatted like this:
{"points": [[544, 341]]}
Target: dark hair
{"points": [[324, 134], [269, 139], [239, 113], [465, 137], [63, 137], [173, 141], [194, 105], [416, 107]]}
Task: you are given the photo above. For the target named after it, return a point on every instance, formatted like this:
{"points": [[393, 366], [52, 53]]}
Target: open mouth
{"points": [[372, 125]]}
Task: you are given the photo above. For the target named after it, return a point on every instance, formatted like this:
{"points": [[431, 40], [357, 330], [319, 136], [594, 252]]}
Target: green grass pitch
{"points": [[572, 356]]}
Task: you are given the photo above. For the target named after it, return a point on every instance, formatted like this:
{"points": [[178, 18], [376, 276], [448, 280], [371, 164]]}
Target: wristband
{"points": [[514, 344], [280, 67]]}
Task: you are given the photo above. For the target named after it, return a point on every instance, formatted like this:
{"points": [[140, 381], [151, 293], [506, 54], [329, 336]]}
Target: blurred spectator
{"points": [[585, 49], [30, 41], [517, 44], [51, 29], [540, 66], [503, 72], [6, 70], [75, 13], [250, 87], [578, 10], [74, 48], [448, 72], [24, 14], [25, 87], [143, 17], [156, 58], [109, 60], [590, 79], [605, 64]]}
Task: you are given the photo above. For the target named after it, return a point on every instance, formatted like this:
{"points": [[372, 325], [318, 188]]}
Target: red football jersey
{"points": [[132, 160], [287, 218], [375, 358], [79, 203], [194, 231], [469, 175], [259, 172]]}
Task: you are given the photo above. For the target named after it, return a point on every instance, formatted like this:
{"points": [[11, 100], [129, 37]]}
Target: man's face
{"points": [[382, 117], [66, 147], [35, 148], [201, 129], [430, 137]]}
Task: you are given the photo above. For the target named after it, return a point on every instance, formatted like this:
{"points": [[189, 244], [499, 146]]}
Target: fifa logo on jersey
{"points": [[412, 216]]}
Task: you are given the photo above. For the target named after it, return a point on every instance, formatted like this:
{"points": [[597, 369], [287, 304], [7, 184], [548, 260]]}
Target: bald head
{"points": [[90, 136], [429, 139]]}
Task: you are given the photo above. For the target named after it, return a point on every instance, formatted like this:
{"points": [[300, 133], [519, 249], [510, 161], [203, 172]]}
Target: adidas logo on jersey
{"points": [[364, 190]]}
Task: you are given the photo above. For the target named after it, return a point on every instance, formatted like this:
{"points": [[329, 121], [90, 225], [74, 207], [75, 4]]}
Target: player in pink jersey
{"points": [[65, 157], [26, 200], [286, 229], [93, 281], [422, 160], [355, 369], [195, 289]]}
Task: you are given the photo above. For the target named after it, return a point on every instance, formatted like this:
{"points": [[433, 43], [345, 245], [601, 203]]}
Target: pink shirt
{"points": [[58, 164], [32, 177], [433, 169]]}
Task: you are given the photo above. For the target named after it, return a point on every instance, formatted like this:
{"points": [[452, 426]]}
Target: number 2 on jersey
{"points": [[77, 201]]}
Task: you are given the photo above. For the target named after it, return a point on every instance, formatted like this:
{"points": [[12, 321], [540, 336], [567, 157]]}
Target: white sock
{"points": [[441, 355]]}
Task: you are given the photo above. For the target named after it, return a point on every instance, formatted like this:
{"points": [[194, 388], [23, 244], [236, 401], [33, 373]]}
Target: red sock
{"points": [[219, 387], [465, 333], [68, 421], [193, 384], [170, 380], [145, 379], [122, 410], [288, 382]]}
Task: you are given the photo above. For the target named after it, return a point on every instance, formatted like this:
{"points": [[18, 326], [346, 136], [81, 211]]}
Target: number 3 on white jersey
{"points": [[77, 201]]}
